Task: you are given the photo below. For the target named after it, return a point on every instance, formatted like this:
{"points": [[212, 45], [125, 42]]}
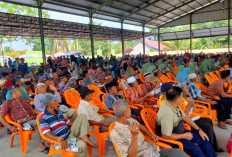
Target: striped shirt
{"points": [[54, 124], [217, 88]]}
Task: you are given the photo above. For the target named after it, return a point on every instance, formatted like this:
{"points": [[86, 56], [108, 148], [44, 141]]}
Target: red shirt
{"points": [[8, 83], [19, 110]]}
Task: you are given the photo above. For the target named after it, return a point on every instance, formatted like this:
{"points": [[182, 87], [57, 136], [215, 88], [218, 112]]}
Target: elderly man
{"points": [[169, 125], [56, 127], [3, 91], [21, 112], [92, 112], [123, 82], [148, 86], [42, 94], [223, 113], [64, 84], [127, 136], [134, 94]]}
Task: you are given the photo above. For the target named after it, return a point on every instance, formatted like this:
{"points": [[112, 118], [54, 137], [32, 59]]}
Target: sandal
{"points": [[228, 122], [45, 150], [222, 126]]}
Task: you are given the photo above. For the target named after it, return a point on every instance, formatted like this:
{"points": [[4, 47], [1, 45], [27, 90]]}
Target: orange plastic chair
{"points": [[72, 98], [36, 91], [209, 79], [119, 83], [52, 150], [141, 77], [218, 73], [24, 135], [226, 66], [146, 139], [96, 96], [165, 79], [213, 76], [130, 103], [101, 137], [171, 76], [149, 118]]}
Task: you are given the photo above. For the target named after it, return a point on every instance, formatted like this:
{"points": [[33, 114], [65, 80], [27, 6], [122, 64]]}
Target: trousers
{"points": [[207, 126], [80, 128], [202, 149]]}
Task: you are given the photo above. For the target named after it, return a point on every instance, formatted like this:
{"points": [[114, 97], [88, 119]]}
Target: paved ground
{"points": [[32, 150]]}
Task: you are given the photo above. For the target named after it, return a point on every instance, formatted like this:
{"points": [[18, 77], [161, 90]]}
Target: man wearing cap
{"points": [[64, 84], [56, 127], [147, 86], [21, 112], [216, 104], [42, 94], [134, 94], [92, 112]]}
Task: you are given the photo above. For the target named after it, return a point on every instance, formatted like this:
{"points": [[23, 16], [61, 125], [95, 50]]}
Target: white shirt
{"points": [[90, 111]]}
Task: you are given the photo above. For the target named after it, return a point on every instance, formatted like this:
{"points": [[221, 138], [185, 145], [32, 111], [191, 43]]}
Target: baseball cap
{"points": [[165, 87]]}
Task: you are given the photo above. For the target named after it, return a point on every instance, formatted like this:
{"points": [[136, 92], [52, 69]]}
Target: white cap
{"points": [[192, 76], [131, 79], [40, 84]]}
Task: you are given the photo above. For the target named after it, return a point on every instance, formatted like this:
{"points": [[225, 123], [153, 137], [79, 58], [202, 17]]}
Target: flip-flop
{"points": [[45, 150], [230, 123], [222, 127]]}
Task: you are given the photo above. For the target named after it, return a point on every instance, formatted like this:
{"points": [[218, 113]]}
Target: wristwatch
{"points": [[198, 129]]}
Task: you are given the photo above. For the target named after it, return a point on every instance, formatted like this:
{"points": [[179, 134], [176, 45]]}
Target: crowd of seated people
{"points": [[185, 104]]}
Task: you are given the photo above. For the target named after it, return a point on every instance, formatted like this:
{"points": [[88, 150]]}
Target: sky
{"points": [[20, 45]]}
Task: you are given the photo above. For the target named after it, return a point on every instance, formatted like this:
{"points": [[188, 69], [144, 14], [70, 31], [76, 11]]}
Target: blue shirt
{"points": [[54, 124], [194, 91], [23, 68], [230, 69], [85, 82], [110, 99]]}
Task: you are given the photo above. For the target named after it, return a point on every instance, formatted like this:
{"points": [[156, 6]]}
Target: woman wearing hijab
{"points": [[192, 68], [180, 69], [162, 68], [129, 72], [75, 67], [183, 76]]}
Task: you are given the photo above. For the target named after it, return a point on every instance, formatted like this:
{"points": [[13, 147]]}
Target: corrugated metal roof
{"points": [[19, 25], [151, 12], [199, 33]]}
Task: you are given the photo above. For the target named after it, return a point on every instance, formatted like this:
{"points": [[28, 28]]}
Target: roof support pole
{"points": [[2, 48], [42, 34], [190, 31], [229, 31], [159, 39], [122, 38], [91, 35], [143, 40]]}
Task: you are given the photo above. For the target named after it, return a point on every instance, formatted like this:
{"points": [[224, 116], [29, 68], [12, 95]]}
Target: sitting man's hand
{"points": [[155, 138], [191, 104], [63, 143], [213, 102], [203, 135], [188, 136], [13, 129], [134, 129], [104, 123]]}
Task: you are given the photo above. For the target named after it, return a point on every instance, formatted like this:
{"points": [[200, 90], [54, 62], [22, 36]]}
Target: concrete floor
{"points": [[32, 146]]}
